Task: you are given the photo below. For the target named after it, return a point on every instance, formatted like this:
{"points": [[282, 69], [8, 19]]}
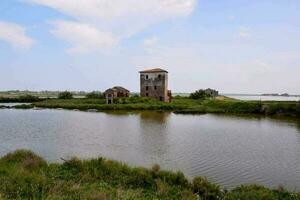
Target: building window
{"points": [[147, 88], [147, 76], [159, 76], [155, 87], [161, 98], [147, 94]]}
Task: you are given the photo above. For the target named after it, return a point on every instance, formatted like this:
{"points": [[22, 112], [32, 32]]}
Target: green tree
{"points": [[94, 95], [65, 95], [199, 94]]}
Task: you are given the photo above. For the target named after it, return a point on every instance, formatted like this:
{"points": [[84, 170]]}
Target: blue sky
{"points": [[235, 46]]}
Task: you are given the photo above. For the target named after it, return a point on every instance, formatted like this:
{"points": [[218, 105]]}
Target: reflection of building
{"points": [[154, 84], [115, 92], [157, 117]]}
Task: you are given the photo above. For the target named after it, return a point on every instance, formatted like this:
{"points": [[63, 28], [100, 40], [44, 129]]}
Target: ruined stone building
{"points": [[211, 92], [115, 92], [154, 84]]}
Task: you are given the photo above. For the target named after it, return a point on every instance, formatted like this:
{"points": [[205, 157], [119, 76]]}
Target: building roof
{"points": [[155, 70], [116, 89], [120, 88]]}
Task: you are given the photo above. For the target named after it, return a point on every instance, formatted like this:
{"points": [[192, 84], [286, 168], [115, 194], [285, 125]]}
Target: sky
{"points": [[234, 46]]}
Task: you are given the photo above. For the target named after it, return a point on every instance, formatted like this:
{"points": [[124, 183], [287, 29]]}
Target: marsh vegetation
{"points": [[25, 175], [180, 105]]}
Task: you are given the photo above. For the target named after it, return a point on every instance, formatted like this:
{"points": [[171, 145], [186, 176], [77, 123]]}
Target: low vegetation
{"points": [[24, 175], [65, 95], [198, 102], [180, 105], [20, 99], [94, 95], [199, 94]]}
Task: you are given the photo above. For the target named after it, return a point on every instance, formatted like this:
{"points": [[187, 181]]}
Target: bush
{"points": [[94, 95], [65, 95], [206, 189], [20, 99], [199, 94], [28, 98], [23, 156], [251, 192]]}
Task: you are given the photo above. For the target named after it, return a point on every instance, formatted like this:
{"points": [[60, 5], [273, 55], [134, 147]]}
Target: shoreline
{"points": [[25, 175], [179, 105]]}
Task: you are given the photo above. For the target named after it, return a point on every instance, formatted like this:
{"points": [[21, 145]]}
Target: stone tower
{"points": [[154, 84]]}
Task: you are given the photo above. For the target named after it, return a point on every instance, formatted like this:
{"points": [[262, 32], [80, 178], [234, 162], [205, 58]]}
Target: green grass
{"points": [[24, 175], [20, 99], [180, 105]]}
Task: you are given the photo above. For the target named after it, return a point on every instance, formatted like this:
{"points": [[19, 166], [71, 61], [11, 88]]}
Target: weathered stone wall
{"points": [[154, 85]]}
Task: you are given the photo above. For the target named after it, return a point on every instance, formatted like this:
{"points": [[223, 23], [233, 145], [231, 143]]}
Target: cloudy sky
{"points": [[235, 46]]}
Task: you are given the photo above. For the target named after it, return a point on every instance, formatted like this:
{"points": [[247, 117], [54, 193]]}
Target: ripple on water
{"points": [[227, 150]]}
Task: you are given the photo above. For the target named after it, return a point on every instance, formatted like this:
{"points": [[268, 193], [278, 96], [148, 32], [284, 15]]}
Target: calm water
{"points": [[228, 150], [264, 98], [13, 104]]}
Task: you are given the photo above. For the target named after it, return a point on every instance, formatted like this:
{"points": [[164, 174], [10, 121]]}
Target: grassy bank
{"points": [[180, 105], [24, 175], [20, 99]]}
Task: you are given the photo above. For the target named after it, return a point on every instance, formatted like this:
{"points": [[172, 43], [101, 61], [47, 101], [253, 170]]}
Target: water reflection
{"points": [[155, 117], [153, 136]]}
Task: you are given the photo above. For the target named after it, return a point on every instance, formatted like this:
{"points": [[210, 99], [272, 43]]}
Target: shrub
{"points": [[162, 187], [27, 158], [65, 95], [199, 94], [28, 98], [23, 106], [24, 185], [205, 189], [155, 169], [251, 192], [95, 195], [20, 99], [94, 95]]}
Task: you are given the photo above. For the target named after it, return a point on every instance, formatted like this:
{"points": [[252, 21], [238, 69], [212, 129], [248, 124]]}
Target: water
{"points": [[264, 98], [13, 104], [228, 150]]}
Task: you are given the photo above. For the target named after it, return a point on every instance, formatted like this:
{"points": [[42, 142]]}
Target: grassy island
{"points": [[24, 175], [180, 105]]}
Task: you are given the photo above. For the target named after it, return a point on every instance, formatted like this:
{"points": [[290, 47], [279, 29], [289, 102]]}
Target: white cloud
{"points": [[15, 35], [118, 18], [109, 9], [244, 32], [82, 37], [151, 41]]}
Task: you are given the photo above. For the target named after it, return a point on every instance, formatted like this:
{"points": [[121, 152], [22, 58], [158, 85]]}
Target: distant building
{"points": [[211, 92], [154, 84], [115, 92]]}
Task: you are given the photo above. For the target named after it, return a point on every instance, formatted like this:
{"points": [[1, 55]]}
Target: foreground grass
{"points": [[24, 175], [180, 105]]}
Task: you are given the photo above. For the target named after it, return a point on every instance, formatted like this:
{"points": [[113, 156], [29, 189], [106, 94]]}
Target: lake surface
{"points": [[264, 98], [229, 150], [13, 104]]}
